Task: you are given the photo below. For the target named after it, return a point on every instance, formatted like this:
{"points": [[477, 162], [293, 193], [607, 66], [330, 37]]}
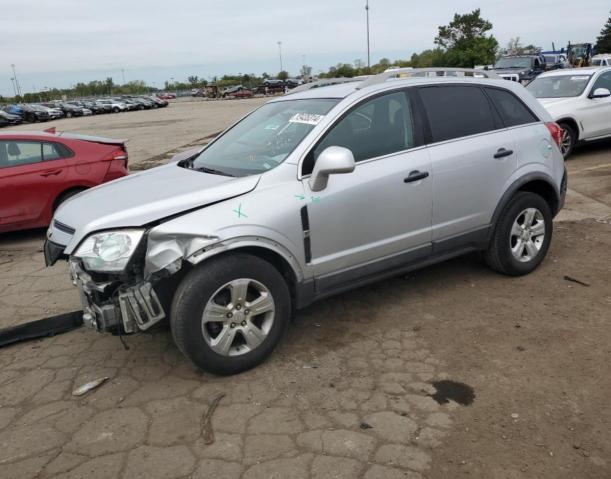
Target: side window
{"points": [[456, 111], [603, 81], [512, 110], [50, 152], [378, 127], [18, 153]]}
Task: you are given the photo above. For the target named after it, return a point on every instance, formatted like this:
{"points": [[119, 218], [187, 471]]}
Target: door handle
{"points": [[416, 176], [502, 153], [50, 172]]}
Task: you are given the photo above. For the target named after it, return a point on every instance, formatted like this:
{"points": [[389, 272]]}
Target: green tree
{"points": [[465, 41], [193, 79], [283, 75], [603, 42]]}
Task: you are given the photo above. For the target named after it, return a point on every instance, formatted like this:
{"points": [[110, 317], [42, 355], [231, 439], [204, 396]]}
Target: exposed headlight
{"points": [[109, 251]]}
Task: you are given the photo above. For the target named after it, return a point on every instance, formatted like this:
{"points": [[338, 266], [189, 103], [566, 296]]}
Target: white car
{"points": [[602, 60], [579, 100]]}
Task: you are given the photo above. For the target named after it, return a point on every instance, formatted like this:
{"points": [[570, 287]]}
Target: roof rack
{"points": [[325, 82], [424, 72]]}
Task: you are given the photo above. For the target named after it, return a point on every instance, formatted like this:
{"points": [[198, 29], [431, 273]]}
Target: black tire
{"points": [[116, 109], [200, 285], [499, 255], [31, 118], [68, 114], [571, 139]]}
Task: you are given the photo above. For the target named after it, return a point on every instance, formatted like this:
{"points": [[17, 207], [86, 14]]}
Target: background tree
{"points": [[465, 42], [193, 79], [283, 75], [603, 42], [305, 72]]}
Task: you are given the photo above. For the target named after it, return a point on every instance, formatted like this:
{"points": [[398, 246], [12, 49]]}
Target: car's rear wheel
{"points": [[522, 235], [230, 313], [569, 139], [65, 196], [68, 114], [115, 109]]}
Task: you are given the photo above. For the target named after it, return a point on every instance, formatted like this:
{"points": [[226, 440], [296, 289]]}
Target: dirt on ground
{"points": [[451, 371]]}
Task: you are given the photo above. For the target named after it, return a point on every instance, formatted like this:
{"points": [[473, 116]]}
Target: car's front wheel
{"points": [[229, 313], [521, 236]]}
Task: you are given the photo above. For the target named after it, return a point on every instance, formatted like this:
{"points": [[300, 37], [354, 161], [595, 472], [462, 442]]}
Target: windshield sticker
{"points": [[306, 118], [581, 78]]}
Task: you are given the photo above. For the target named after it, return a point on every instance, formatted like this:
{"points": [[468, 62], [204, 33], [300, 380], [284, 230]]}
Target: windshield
{"points": [[263, 139], [561, 86], [514, 62]]}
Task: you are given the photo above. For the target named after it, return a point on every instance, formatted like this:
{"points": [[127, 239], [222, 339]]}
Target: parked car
{"points": [[520, 68], [70, 110], [39, 171], [54, 112], [166, 96], [579, 100], [104, 106], [555, 61], [160, 103], [114, 105], [15, 110], [601, 60], [228, 239], [9, 118], [34, 113], [237, 92], [270, 86]]}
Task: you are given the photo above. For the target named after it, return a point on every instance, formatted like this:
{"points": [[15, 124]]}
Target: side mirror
{"points": [[332, 161], [600, 93]]}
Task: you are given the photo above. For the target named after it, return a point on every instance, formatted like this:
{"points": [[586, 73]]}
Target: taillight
{"points": [[556, 131]]}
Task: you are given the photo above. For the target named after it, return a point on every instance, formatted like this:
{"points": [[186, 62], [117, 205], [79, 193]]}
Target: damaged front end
{"points": [[127, 278], [116, 305]]}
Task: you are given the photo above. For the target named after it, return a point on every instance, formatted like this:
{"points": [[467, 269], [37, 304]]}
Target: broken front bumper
{"points": [[112, 306]]}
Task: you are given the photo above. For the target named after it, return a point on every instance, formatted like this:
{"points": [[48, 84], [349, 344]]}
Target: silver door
{"points": [[472, 158], [378, 210]]}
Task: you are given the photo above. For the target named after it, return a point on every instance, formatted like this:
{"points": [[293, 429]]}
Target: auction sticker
{"points": [[306, 118]]}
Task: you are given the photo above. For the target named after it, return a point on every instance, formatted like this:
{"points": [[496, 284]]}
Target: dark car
{"points": [[270, 86], [7, 119], [70, 110], [160, 103], [34, 113], [103, 107], [520, 68]]}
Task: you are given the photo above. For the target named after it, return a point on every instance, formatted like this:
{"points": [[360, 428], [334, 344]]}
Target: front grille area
{"points": [[64, 228]]}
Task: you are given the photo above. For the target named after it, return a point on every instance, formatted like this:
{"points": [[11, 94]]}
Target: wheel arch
{"points": [[71, 189], [571, 122], [538, 183]]}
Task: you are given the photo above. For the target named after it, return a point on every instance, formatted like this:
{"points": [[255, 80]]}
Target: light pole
{"points": [[123, 75], [14, 88], [16, 80], [280, 53], [368, 55]]}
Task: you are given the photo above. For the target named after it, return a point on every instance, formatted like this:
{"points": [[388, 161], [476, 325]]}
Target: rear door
{"points": [[472, 157], [29, 184]]}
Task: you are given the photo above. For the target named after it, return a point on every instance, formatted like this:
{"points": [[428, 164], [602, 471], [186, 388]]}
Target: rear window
{"points": [[513, 112], [457, 111]]}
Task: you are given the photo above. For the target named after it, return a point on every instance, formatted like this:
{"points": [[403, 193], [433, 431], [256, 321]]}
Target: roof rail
{"points": [[325, 82], [423, 72]]}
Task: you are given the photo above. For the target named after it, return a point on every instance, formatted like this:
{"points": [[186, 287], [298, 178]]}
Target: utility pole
{"points": [[14, 88], [280, 53], [123, 75], [16, 80], [368, 55]]}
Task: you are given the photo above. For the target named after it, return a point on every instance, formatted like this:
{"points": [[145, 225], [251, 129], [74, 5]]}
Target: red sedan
{"points": [[39, 170]]}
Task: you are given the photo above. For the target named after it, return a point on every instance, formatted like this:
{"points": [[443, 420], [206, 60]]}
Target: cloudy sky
{"points": [[61, 42]]}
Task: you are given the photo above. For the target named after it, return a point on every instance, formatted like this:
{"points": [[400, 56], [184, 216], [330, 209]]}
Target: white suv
{"points": [[579, 100], [314, 193]]}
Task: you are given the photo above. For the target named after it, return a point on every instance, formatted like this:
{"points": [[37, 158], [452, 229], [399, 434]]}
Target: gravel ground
{"points": [[350, 391]]}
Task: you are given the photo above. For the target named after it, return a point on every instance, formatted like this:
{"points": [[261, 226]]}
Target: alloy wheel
{"points": [[567, 142], [527, 235], [238, 317]]}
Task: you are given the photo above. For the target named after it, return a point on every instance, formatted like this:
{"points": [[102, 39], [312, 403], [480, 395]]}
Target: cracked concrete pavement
{"points": [[346, 395]]}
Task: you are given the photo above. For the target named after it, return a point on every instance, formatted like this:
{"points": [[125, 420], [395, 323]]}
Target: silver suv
{"points": [[314, 193]]}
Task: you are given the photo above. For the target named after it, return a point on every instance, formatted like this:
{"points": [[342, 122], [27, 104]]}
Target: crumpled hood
{"points": [[142, 198]]}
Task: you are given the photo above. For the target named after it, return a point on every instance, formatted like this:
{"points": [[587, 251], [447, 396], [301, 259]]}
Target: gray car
{"points": [[314, 193]]}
